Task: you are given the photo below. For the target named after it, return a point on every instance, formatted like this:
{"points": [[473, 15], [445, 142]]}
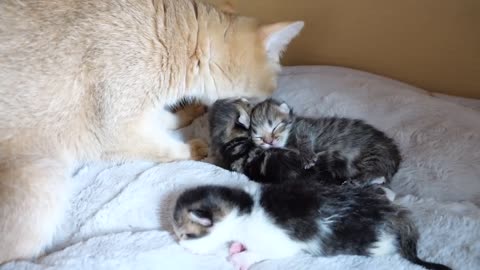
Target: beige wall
{"points": [[433, 44]]}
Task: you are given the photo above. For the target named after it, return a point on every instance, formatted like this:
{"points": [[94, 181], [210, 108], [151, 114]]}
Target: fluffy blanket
{"points": [[119, 216]]}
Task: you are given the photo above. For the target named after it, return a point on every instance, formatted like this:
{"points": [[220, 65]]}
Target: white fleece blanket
{"points": [[119, 217]]}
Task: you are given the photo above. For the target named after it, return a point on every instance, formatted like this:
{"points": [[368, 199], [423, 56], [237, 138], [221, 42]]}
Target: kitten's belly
{"points": [[266, 238]]}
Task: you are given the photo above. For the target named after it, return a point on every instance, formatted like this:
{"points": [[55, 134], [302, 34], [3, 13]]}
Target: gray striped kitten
{"points": [[345, 149], [233, 149]]}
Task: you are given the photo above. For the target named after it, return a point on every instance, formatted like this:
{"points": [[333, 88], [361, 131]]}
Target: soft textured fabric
{"points": [[119, 216]]}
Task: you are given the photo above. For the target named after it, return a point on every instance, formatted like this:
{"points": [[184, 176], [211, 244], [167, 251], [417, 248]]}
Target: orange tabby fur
{"points": [[89, 80]]}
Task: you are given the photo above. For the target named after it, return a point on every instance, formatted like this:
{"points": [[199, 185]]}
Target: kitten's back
{"points": [[352, 148]]}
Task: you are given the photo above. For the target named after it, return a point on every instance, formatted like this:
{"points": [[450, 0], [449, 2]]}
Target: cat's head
{"points": [[235, 56], [203, 216], [270, 123]]}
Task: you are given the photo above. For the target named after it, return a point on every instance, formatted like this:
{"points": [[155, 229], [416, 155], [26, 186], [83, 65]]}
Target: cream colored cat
{"points": [[89, 80]]}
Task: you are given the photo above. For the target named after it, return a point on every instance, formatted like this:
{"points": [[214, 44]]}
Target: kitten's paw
{"points": [[241, 261], [378, 181], [235, 248], [198, 149], [309, 161]]}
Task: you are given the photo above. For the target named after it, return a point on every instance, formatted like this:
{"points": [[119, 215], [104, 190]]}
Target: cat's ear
{"points": [[201, 217], [277, 36], [284, 108], [227, 7], [244, 119]]}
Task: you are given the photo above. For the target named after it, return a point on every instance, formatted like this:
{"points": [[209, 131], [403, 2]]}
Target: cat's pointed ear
{"points": [[284, 108], [201, 217], [277, 36], [227, 7], [244, 119]]}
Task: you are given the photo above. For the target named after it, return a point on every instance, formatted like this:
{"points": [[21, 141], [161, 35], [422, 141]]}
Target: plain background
{"points": [[433, 44]]}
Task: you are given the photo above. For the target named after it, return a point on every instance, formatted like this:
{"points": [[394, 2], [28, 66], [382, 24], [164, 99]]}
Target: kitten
{"points": [[278, 221], [233, 149], [347, 149], [90, 80]]}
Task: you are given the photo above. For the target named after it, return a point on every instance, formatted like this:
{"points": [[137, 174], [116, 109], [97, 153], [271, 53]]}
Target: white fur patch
{"points": [[389, 193], [256, 232], [384, 246]]}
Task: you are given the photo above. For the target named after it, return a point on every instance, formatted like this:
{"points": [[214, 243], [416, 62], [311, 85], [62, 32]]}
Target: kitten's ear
{"points": [[284, 108], [277, 36], [201, 217], [244, 119]]}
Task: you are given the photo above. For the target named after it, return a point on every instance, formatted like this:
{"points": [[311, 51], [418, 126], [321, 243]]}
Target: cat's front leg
{"points": [[147, 138]]}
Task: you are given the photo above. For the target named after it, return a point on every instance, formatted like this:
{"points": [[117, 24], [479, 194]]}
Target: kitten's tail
{"points": [[408, 236]]}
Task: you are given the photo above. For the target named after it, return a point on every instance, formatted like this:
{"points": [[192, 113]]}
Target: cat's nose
{"points": [[268, 140]]}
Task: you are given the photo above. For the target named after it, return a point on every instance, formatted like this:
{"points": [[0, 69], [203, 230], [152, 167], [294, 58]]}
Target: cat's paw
{"points": [[198, 149], [192, 112], [308, 161], [198, 109]]}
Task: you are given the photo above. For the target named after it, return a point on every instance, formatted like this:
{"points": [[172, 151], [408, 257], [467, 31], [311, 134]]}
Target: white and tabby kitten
{"points": [[346, 149], [278, 221]]}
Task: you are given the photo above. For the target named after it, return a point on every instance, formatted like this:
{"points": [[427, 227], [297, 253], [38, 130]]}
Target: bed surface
{"points": [[119, 217]]}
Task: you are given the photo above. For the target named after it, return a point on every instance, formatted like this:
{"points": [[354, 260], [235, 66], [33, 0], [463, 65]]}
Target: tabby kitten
{"points": [[233, 149], [278, 221], [346, 149]]}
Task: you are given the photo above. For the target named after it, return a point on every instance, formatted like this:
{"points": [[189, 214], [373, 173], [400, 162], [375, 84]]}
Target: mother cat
{"points": [[89, 80]]}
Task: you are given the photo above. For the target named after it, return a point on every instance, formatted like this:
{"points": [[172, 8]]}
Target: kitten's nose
{"points": [[267, 139]]}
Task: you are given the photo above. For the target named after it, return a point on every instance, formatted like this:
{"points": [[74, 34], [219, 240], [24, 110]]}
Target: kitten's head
{"points": [[270, 123], [202, 216], [234, 55], [229, 119]]}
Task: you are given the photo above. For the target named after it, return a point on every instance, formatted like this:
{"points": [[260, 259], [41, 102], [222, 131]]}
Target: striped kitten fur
{"points": [[233, 149], [347, 149]]}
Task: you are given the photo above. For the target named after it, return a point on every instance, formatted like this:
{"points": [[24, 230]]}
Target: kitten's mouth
{"points": [[265, 145], [268, 145]]}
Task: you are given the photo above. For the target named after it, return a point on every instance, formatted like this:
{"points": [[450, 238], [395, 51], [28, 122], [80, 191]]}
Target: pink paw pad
{"points": [[236, 248]]}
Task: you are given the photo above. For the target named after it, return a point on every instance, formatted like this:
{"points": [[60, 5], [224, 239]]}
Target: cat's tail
{"points": [[408, 237], [33, 196]]}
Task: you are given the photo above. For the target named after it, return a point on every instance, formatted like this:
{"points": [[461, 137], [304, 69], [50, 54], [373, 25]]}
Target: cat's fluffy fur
{"points": [[348, 149], [87, 80], [277, 221]]}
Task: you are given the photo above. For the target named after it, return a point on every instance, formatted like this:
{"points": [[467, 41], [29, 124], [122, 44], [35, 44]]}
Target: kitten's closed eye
{"points": [[191, 236]]}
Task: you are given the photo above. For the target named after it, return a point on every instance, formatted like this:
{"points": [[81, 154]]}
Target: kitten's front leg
{"points": [[305, 146]]}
